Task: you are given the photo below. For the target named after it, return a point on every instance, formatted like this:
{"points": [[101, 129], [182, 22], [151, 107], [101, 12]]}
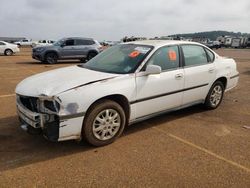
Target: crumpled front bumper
{"points": [[34, 122]]}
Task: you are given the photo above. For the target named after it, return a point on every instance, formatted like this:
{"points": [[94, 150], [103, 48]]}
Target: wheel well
{"points": [[8, 49], [223, 80], [121, 100]]}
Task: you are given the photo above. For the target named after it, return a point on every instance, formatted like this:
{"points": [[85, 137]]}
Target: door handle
{"points": [[211, 70], [179, 76]]}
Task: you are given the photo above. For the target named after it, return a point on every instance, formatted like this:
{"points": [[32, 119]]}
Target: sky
{"points": [[114, 19]]}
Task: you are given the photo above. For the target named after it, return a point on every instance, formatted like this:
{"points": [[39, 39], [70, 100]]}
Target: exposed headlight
{"points": [[52, 105]]}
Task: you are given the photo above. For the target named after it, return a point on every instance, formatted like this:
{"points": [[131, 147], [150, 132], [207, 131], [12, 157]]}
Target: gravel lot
{"points": [[187, 148]]}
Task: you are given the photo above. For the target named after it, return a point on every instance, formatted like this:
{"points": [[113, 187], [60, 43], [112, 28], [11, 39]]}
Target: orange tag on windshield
{"points": [[134, 54], [172, 55]]}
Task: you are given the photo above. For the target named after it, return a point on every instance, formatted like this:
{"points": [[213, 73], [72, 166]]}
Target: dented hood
{"points": [[60, 80]]}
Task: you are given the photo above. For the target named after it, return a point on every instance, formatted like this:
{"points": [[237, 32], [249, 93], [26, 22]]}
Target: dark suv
{"points": [[68, 48]]}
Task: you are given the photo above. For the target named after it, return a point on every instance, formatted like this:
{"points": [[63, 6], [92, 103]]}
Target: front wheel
{"points": [[51, 58], [104, 123], [215, 95]]}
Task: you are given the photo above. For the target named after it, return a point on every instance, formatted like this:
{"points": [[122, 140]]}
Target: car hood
{"points": [[60, 80]]}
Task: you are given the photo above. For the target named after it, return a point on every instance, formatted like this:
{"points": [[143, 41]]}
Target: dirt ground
{"points": [[188, 148]]}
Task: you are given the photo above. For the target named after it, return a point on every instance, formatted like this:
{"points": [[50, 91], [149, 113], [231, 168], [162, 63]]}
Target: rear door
{"points": [[83, 46], [199, 73], [157, 93]]}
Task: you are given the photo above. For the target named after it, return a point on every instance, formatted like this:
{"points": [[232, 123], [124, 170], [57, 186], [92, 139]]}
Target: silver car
{"points": [[67, 48]]}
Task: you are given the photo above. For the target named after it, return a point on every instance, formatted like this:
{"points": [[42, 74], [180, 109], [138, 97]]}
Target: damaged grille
{"points": [[30, 103]]}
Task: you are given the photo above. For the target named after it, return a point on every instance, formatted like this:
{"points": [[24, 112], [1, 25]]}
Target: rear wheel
{"points": [[8, 52], [91, 55], [83, 60], [104, 123], [51, 58], [215, 95]]}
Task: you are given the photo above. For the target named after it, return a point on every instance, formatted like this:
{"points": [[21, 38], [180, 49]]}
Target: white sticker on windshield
{"points": [[142, 50]]}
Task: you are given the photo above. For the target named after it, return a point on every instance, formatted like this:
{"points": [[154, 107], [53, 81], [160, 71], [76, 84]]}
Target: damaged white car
{"points": [[124, 84]]}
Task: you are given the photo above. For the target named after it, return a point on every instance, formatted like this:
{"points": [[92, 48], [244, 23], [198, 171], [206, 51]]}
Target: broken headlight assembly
{"points": [[49, 109], [48, 105], [53, 106]]}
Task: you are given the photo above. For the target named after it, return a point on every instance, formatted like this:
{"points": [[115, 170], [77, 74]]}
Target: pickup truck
{"points": [[42, 43], [24, 42]]}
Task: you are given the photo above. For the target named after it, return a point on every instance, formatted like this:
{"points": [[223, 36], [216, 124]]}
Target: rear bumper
{"points": [[232, 82]]}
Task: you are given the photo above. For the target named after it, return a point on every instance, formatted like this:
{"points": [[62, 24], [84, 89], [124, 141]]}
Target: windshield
{"points": [[120, 59], [59, 42]]}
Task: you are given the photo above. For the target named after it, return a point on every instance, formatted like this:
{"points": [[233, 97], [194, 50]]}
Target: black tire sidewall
{"points": [[49, 55], [91, 55], [6, 52], [208, 102], [87, 130]]}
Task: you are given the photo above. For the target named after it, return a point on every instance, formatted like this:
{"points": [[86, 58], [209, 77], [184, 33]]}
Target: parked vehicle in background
{"points": [[248, 42], [42, 43], [8, 48], [243, 42], [24, 42], [225, 41], [228, 42], [221, 39], [68, 48], [236, 43], [213, 44], [124, 84]]}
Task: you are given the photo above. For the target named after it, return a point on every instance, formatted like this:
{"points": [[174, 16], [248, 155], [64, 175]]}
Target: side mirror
{"points": [[62, 45], [153, 69]]}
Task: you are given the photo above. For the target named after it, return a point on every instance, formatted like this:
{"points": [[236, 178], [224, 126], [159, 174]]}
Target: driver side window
{"points": [[166, 57], [69, 42]]}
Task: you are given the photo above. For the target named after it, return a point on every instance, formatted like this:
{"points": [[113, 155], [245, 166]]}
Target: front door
{"points": [[157, 93]]}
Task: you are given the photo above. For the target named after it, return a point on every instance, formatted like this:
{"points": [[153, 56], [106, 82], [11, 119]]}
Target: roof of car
{"points": [[159, 43], [84, 38]]}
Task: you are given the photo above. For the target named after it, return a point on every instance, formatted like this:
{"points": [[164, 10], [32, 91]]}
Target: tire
{"points": [[91, 55], [51, 58], [215, 95], [83, 60], [8, 52], [100, 130]]}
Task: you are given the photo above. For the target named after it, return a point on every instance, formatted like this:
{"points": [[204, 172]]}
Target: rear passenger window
{"points": [[89, 42], [210, 55], [166, 57], [194, 55], [80, 42], [84, 42]]}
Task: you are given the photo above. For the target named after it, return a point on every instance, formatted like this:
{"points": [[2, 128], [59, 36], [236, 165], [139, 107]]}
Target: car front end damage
{"points": [[39, 115]]}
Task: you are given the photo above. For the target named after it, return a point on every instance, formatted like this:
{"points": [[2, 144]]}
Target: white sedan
{"points": [[8, 48], [124, 84]]}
